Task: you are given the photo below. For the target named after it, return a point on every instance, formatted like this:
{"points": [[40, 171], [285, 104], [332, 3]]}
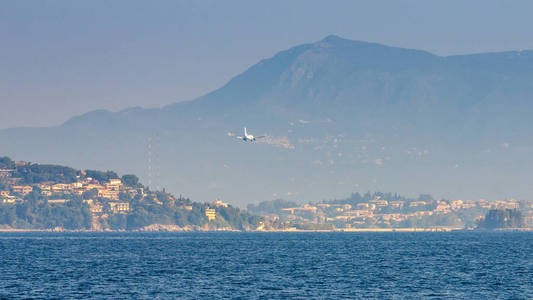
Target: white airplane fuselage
{"points": [[248, 137]]}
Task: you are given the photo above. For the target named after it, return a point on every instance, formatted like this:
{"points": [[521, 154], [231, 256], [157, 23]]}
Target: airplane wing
{"points": [[236, 136], [261, 137]]}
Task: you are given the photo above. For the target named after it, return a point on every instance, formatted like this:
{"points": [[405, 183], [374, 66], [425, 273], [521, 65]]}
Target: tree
{"points": [[8, 215], [90, 194], [101, 176], [117, 221], [124, 197], [6, 163], [35, 196], [130, 180], [36, 173], [270, 207], [502, 218]]}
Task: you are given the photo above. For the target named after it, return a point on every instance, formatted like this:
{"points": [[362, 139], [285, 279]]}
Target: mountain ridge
{"points": [[328, 108], [327, 40]]}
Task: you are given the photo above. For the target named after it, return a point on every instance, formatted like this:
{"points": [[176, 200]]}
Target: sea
{"points": [[263, 265]]}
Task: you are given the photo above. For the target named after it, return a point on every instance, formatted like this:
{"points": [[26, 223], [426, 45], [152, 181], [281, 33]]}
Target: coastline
{"points": [[440, 229]]}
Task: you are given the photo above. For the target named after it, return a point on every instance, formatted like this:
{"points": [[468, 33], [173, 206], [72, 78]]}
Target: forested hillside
{"points": [[35, 196]]}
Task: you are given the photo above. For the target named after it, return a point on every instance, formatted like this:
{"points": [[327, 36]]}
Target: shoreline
{"points": [[443, 229]]}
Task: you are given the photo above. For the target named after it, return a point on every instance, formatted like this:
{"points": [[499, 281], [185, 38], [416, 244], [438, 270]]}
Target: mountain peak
{"points": [[337, 41], [352, 46], [332, 38], [351, 109]]}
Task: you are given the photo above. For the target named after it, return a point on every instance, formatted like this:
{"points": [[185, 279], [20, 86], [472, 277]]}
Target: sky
{"points": [[59, 59]]}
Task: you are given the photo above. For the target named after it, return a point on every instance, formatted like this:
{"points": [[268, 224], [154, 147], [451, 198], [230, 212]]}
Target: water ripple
{"points": [[267, 265]]}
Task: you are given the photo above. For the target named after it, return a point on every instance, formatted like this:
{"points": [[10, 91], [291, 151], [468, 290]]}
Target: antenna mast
{"points": [[157, 148], [150, 163]]}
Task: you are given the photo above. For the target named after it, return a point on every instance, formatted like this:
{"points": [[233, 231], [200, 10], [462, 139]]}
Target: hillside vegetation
{"points": [[35, 196]]}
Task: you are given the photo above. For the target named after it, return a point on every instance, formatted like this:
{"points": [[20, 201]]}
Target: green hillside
{"points": [[38, 196]]}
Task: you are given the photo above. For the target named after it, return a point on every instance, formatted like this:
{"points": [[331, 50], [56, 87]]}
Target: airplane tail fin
{"points": [[245, 133]]}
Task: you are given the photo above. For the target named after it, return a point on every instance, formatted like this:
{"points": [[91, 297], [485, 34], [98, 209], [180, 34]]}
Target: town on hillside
{"points": [[36, 196], [385, 211]]}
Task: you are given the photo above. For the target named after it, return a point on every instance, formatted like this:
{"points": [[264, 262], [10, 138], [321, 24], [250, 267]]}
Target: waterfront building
{"points": [[210, 213]]}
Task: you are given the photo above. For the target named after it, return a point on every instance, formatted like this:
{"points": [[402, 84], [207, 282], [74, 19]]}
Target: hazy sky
{"points": [[64, 58]]}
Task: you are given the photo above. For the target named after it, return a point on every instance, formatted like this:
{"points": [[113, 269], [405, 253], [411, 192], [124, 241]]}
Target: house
{"points": [[5, 173], [396, 204], [306, 207], [57, 201], [46, 193], [44, 187], [60, 188], [417, 203], [119, 207], [457, 204], [510, 204], [443, 208], [344, 218], [76, 185], [419, 214], [95, 207], [210, 213], [108, 194], [218, 203], [9, 199], [392, 217], [112, 187], [22, 189], [379, 202], [115, 181], [360, 213], [92, 186], [483, 203], [469, 204]]}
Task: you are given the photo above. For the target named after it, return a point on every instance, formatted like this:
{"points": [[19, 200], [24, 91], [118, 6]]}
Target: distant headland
{"points": [[36, 197]]}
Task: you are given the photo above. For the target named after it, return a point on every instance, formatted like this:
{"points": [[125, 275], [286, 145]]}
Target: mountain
{"points": [[341, 116]]}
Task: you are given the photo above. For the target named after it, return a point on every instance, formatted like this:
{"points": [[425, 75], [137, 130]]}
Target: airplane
{"points": [[249, 137]]}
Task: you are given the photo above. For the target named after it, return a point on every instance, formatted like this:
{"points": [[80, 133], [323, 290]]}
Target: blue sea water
{"points": [[475, 265]]}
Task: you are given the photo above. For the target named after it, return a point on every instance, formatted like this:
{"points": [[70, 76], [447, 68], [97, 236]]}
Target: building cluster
{"points": [[60, 193], [380, 212], [102, 197], [210, 212]]}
